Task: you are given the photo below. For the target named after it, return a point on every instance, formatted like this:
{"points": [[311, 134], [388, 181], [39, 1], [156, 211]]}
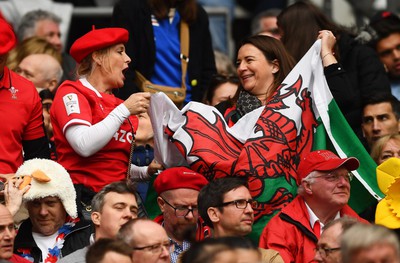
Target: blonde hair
{"points": [[88, 65], [377, 148], [32, 45]]}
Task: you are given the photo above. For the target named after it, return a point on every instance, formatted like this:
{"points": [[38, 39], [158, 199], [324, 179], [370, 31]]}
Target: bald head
{"points": [[7, 233], [144, 236], [42, 69]]}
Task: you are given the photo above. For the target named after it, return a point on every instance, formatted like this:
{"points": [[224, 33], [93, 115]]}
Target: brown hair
{"points": [[272, 50], [187, 9], [101, 247], [298, 40]]}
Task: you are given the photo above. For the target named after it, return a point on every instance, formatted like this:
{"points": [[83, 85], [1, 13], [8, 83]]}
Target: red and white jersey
{"points": [[21, 117], [78, 104]]}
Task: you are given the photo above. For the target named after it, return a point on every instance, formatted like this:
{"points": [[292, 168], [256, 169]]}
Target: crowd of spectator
{"points": [[77, 162]]}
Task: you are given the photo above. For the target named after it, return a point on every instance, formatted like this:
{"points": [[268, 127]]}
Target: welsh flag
{"points": [[267, 144]]}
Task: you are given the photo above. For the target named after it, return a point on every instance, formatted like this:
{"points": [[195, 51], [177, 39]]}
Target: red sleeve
{"points": [[273, 237], [34, 128], [69, 107]]}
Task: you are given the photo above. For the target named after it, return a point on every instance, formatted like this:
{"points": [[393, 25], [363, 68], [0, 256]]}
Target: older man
{"points": [[148, 239], [23, 137], [370, 243], [43, 70], [178, 189], [53, 229], [328, 247], [46, 25], [226, 205], [323, 193], [112, 207], [7, 235]]}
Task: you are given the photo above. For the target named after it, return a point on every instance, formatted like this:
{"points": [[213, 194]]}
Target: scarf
{"points": [[247, 103], [54, 253]]}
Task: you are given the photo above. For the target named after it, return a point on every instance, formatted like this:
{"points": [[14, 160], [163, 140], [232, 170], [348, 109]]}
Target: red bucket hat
{"points": [[178, 177], [323, 160], [7, 37], [97, 39]]}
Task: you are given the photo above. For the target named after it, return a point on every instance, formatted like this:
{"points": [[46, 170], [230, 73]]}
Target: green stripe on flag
{"points": [[350, 145]]}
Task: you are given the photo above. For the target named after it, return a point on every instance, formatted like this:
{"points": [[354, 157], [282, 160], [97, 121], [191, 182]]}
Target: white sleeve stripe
{"points": [[75, 121]]}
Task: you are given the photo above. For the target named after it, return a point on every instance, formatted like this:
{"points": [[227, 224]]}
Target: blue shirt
{"points": [[178, 249], [168, 69]]}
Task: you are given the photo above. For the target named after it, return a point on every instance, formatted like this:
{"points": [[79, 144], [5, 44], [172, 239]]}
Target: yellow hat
{"points": [[388, 209]]}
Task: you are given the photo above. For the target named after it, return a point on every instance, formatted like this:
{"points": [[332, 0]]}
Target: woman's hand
{"points": [[138, 103], [154, 167], [328, 41]]}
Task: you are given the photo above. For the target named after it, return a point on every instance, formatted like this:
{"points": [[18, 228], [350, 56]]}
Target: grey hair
{"points": [[255, 22], [310, 179], [363, 236], [27, 25]]}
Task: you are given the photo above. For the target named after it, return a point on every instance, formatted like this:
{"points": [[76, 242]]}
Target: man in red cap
{"points": [[178, 189], [323, 193], [22, 133]]}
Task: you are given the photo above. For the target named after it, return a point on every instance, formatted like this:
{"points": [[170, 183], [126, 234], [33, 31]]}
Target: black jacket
{"points": [[135, 16], [78, 238], [365, 76]]}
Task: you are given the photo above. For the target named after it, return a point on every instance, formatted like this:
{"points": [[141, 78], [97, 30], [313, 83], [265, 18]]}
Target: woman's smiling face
{"points": [[255, 71]]}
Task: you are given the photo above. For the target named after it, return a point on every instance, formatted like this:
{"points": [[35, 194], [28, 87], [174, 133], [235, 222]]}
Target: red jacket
{"points": [[290, 233]]}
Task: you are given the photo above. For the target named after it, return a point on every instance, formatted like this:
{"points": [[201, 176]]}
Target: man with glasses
{"points": [[148, 240], [178, 189], [226, 205], [323, 193], [328, 246], [370, 243]]}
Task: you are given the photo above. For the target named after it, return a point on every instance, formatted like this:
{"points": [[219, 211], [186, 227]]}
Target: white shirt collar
{"points": [[314, 218], [86, 83]]}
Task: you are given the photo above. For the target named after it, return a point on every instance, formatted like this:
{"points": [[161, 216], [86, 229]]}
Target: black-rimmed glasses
{"points": [[241, 203], [334, 177], [182, 211], [325, 251], [157, 248]]}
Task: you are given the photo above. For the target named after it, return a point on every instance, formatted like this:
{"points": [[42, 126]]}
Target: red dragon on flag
{"points": [[265, 145], [269, 159]]}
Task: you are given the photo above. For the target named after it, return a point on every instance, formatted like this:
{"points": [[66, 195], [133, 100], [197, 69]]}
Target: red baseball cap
{"points": [[323, 160], [97, 39], [7, 37], [179, 177]]}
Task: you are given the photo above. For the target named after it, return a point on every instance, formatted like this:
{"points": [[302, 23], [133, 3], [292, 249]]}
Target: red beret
{"points": [[323, 160], [97, 39], [179, 177], [7, 37]]}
